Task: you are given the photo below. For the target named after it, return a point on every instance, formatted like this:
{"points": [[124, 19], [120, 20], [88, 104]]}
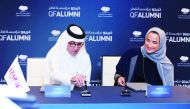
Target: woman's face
{"points": [[152, 42]]}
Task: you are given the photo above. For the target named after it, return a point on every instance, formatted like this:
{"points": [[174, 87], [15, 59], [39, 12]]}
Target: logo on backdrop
{"points": [[55, 35], [15, 35], [184, 58], [137, 37], [22, 59], [184, 62], [96, 82], [145, 13], [178, 37], [23, 11], [105, 12], [57, 11], [99, 36], [185, 83], [185, 13]]}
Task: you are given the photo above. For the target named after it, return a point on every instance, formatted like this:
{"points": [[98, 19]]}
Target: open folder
{"points": [[137, 86]]}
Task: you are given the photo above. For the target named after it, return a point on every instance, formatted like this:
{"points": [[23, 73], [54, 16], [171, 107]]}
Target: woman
{"points": [[68, 63], [148, 63]]}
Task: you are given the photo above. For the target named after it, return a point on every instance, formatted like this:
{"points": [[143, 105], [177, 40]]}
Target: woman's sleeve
{"points": [[122, 68]]}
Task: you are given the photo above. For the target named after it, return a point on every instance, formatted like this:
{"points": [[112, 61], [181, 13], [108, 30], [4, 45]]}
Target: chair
{"points": [[109, 69], [35, 71]]}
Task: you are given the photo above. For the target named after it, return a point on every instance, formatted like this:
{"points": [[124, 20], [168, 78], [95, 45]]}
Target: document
{"points": [[137, 86]]}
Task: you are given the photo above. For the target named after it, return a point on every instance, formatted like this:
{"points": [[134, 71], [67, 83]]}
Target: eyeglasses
{"points": [[74, 44]]}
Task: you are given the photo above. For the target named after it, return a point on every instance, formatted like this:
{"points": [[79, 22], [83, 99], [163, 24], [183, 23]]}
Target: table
{"points": [[110, 95]]}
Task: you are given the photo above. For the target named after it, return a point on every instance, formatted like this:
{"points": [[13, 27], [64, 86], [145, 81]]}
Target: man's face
{"points": [[152, 42], [74, 47]]}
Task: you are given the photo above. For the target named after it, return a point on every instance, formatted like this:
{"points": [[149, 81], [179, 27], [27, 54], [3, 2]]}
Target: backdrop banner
{"points": [[29, 28]]}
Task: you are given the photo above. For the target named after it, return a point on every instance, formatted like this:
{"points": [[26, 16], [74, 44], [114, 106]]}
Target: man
{"points": [[68, 63]]}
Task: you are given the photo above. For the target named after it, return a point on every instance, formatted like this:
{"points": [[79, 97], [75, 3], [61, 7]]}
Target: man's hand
{"points": [[78, 80]]}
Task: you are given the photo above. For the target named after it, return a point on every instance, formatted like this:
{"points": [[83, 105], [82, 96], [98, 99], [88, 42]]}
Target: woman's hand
{"points": [[121, 81]]}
